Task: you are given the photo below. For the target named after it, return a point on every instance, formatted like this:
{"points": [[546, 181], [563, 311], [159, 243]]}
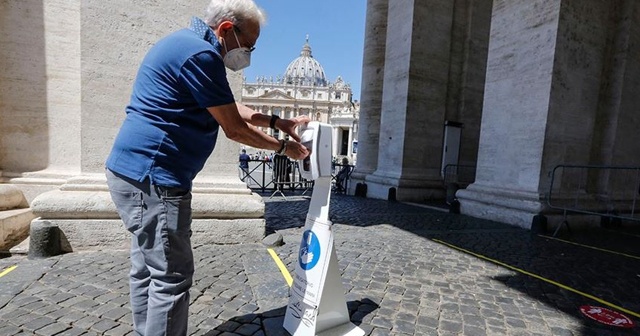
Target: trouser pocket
{"points": [[128, 200], [176, 231]]}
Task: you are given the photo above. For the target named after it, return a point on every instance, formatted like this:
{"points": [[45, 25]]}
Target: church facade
{"points": [[303, 89]]}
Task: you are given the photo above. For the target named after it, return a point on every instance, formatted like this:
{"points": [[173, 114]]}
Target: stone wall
{"points": [[626, 56], [470, 43], [579, 75], [116, 35], [68, 69]]}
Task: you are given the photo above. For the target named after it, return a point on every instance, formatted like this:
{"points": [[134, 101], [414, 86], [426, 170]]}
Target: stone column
{"points": [[39, 107], [39, 94], [371, 94], [615, 110], [82, 207], [413, 101], [350, 143], [544, 77], [335, 138], [465, 90]]}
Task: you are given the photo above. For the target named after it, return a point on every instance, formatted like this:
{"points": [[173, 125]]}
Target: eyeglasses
{"points": [[250, 49]]}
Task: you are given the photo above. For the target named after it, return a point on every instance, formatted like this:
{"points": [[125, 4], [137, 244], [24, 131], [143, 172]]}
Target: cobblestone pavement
{"points": [[407, 270]]}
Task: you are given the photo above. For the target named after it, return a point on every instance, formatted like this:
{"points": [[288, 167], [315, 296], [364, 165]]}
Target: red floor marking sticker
{"points": [[607, 316]]}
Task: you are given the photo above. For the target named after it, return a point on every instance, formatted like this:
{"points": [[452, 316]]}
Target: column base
{"points": [[509, 207], [84, 212], [15, 217], [110, 234], [32, 184], [356, 178], [404, 189]]}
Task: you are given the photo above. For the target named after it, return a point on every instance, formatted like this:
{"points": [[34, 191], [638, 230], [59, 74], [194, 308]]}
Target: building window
{"points": [[338, 95], [344, 143], [319, 95]]}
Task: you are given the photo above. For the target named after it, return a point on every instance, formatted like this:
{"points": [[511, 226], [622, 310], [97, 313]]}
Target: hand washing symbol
{"points": [[305, 255], [309, 253]]}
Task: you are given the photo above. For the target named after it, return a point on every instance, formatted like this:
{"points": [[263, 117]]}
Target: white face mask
{"points": [[238, 58]]}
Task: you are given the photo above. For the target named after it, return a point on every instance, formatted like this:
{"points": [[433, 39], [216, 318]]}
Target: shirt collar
{"points": [[203, 30]]}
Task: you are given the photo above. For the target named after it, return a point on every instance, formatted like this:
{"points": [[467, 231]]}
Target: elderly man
{"points": [[180, 98]]}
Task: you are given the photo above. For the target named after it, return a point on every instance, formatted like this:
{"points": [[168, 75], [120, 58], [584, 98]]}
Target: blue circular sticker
{"points": [[309, 250]]}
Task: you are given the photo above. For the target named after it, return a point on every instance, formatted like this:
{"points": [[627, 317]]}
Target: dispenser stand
{"points": [[317, 305]]}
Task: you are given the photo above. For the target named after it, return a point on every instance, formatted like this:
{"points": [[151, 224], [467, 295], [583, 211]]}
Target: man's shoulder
{"points": [[179, 49], [183, 43]]}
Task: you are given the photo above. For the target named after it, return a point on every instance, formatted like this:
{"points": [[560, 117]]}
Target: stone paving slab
{"points": [[406, 270]]}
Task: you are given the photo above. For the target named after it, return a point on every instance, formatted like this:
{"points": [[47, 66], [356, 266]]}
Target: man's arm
{"points": [[235, 128], [262, 120]]}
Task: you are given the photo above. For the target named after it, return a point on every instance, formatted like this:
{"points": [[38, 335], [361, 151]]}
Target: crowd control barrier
{"points": [[610, 192]]}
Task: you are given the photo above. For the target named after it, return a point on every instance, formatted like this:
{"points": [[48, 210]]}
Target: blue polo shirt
{"points": [[168, 134]]}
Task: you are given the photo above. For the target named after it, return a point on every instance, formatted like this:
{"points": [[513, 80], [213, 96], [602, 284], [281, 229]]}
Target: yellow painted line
{"points": [[281, 266], [541, 278], [5, 272], [592, 247]]}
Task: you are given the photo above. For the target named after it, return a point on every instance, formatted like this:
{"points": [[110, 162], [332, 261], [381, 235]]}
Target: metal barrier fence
{"points": [[610, 192], [266, 175], [284, 174], [273, 175]]}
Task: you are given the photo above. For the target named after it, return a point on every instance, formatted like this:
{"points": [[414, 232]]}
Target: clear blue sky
{"points": [[336, 36]]}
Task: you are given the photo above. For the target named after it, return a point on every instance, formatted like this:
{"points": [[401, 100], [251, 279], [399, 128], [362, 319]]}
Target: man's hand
{"points": [[296, 150], [288, 126]]}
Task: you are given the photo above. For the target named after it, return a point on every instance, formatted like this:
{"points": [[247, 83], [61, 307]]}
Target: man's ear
{"points": [[223, 27]]}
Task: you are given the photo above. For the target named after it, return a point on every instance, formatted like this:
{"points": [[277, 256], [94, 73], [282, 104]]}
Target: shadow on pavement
{"points": [[271, 322], [589, 266], [559, 275]]}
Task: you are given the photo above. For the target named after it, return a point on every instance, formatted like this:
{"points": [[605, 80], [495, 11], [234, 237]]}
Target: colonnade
{"points": [[534, 83]]}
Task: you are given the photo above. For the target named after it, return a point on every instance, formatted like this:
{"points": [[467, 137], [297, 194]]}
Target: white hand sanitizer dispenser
{"points": [[317, 138], [312, 310]]}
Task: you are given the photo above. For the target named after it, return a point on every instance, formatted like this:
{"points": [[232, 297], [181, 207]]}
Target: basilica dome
{"points": [[305, 70]]}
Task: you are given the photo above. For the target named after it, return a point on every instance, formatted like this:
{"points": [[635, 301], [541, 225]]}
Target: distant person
{"points": [[244, 163], [180, 99], [281, 171], [342, 176]]}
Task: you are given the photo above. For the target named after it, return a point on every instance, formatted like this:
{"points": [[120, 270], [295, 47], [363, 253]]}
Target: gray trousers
{"points": [[162, 268]]}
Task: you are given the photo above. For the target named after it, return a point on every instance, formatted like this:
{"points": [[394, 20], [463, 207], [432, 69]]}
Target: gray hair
{"points": [[236, 11]]}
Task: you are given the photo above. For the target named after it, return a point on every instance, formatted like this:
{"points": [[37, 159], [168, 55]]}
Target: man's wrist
{"points": [[272, 122], [283, 147]]}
